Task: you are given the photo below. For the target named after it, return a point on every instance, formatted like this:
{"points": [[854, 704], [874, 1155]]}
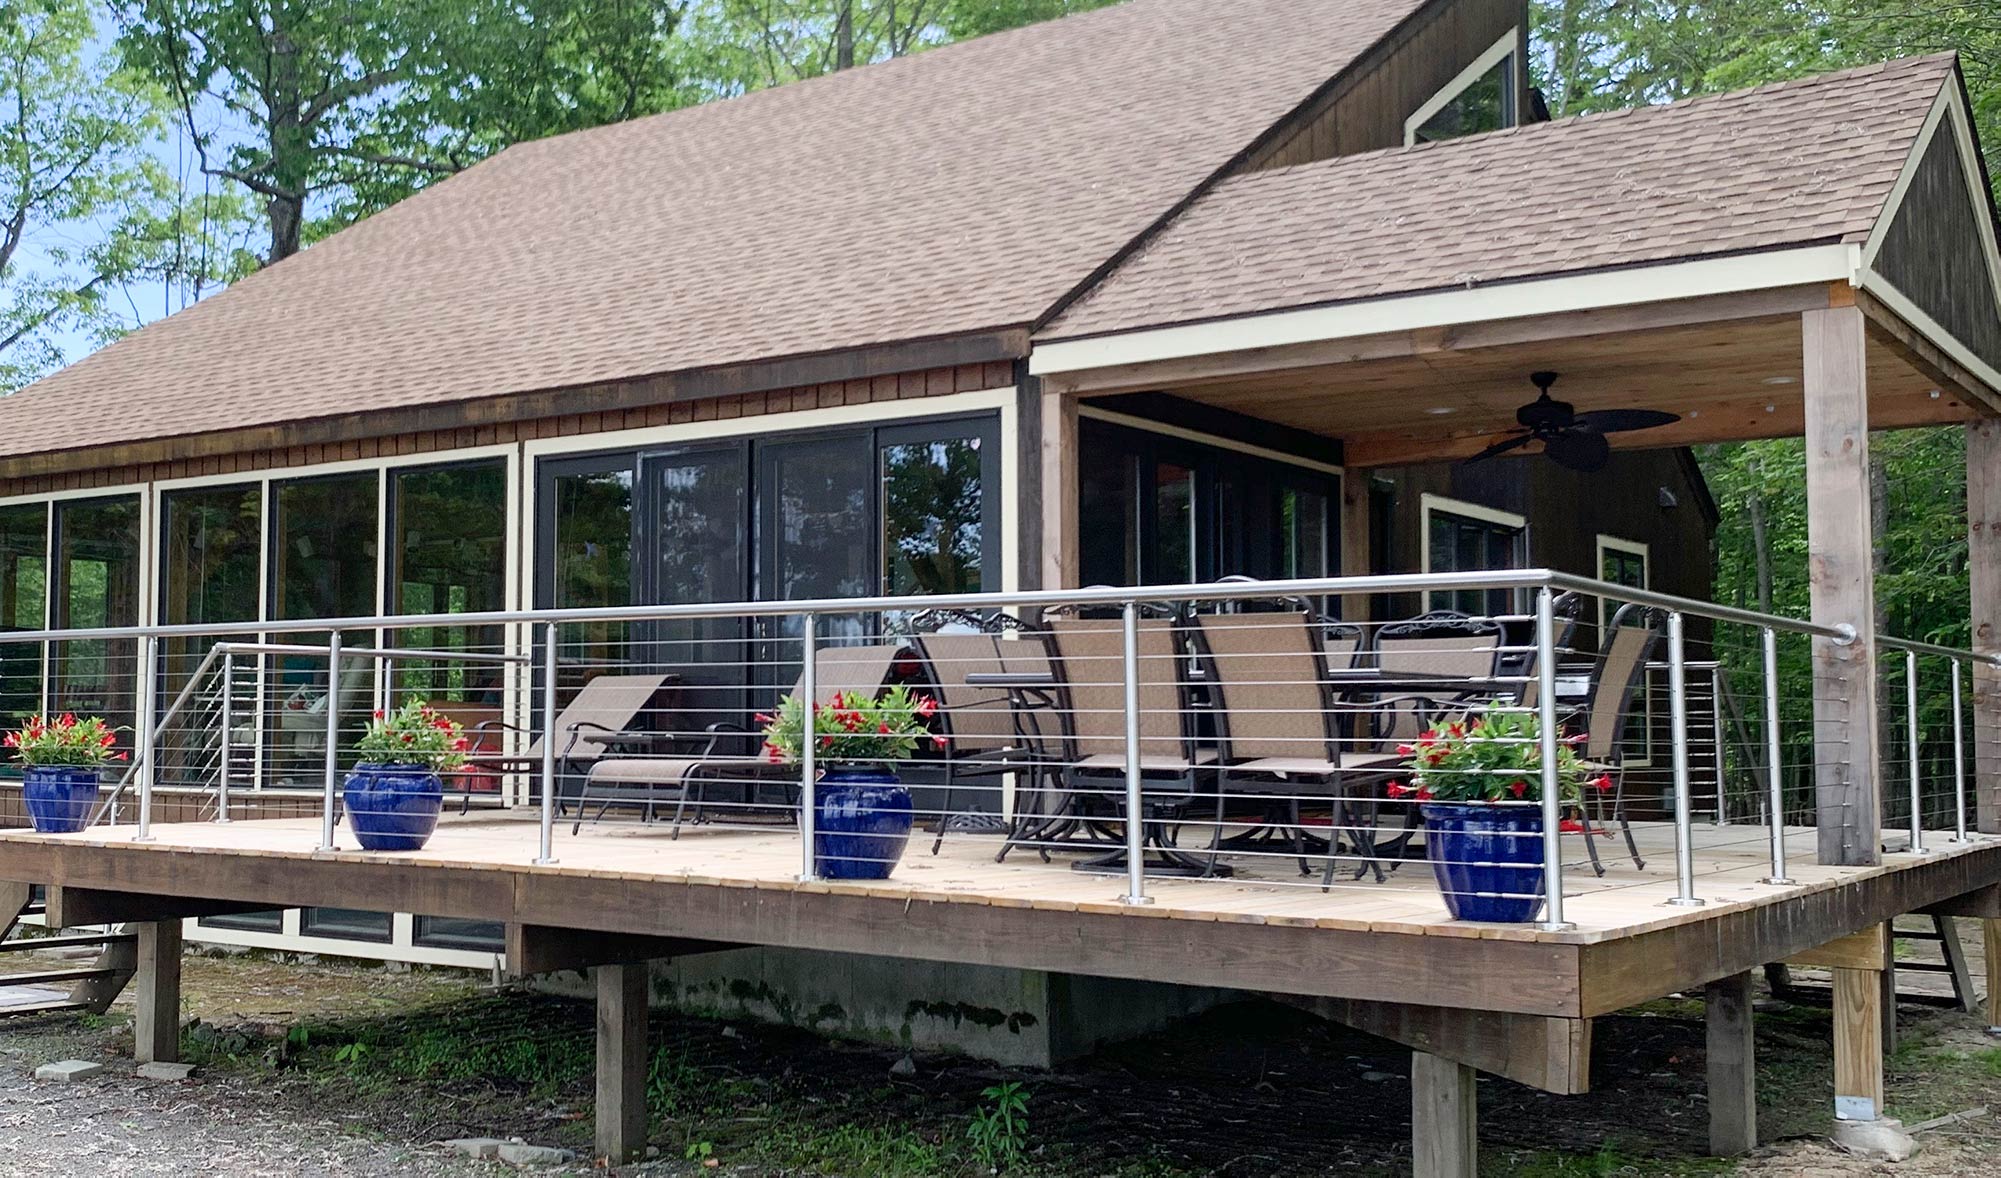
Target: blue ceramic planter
{"points": [[1488, 860], [860, 825], [393, 807], [59, 797]]}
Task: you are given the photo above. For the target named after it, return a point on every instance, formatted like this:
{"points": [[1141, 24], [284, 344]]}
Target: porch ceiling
{"points": [[1728, 380]]}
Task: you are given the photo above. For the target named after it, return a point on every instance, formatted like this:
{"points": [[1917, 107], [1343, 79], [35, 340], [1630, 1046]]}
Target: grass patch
{"points": [[857, 1149], [1608, 1161]]}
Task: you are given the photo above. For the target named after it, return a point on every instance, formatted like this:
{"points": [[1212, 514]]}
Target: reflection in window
{"points": [[593, 562], [1174, 524], [449, 549], [932, 503], [1483, 99], [97, 556], [818, 543], [451, 932], [1108, 547], [348, 924], [211, 541], [323, 565], [700, 545], [1465, 544], [24, 542], [1304, 531]]}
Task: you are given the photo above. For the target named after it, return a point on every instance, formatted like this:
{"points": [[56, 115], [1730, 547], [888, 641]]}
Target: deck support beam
{"points": [[1444, 1117], [156, 1015], [1858, 1044], [621, 1061], [1357, 539], [1840, 543], [1548, 1054], [1991, 934], [1060, 559], [1983, 553], [1732, 1067]]}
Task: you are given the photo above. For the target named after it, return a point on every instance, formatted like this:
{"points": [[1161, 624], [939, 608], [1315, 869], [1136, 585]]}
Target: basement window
{"points": [[1484, 97]]}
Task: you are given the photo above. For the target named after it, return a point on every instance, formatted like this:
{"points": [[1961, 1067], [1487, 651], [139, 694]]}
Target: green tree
{"points": [[85, 209]]}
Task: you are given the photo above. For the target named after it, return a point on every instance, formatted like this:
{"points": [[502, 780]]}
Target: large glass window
{"points": [[347, 924], [699, 547], [1461, 538], [24, 543], [1481, 99], [323, 565], [211, 540], [934, 509], [451, 932], [448, 552], [97, 560], [588, 536]]}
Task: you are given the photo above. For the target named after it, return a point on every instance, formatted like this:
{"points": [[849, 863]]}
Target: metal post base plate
{"points": [[1686, 902]]}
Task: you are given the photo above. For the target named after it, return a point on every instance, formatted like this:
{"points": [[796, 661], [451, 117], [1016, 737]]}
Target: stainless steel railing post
{"points": [[809, 708], [1684, 836], [149, 670], [223, 736], [1774, 760], [1958, 761], [1552, 784], [547, 853], [1911, 740], [332, 780], [1135, 808]]}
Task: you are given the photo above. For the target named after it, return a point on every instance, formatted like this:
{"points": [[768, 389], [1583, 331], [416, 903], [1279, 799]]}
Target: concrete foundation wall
{"points": [[1023, 1018]]}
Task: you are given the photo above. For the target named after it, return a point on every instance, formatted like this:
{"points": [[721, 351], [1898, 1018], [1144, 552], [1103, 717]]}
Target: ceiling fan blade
{"points": [[1614, 421], [1582, 449], [1501, 447]]}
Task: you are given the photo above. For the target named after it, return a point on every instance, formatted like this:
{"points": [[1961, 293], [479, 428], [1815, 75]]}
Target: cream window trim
{"points": [[1496, 53]]}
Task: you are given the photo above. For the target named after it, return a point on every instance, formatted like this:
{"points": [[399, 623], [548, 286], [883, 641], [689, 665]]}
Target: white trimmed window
{"points": [[1486, 96], [1462, 537], [1626, 562]]}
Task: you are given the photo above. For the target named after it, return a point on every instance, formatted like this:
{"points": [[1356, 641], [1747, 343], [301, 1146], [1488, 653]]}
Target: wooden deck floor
{"points": [[740, 886]]}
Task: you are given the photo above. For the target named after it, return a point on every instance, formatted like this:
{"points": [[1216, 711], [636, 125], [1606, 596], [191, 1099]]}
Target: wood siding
{"points": [[1367, 109], [1933, 251], [909, 385]]}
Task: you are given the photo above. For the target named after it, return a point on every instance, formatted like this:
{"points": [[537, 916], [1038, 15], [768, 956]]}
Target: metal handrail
{"points": [[1525, 579], [142, 756]]}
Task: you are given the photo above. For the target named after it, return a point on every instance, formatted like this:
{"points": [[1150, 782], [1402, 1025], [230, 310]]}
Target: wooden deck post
{"points": [[1444, 1118], [1858, 1044], [156, 1016], [1842, 589], [1059, 491], [1357, 555], [1991, 943], [1983, 553], [1732, 1066], [621, 1061]]}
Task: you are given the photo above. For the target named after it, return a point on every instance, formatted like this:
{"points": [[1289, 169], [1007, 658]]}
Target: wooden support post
{"points": [[1991, 942], [1733, 1067], [1983, 558], [1357, 554], [1444, 1118], [1847, 780], [621, 1061], [1858, 1044], [1060, 568], [156, 1017]]}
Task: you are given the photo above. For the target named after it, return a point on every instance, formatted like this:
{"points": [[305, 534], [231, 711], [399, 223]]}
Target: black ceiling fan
{"points": [[1569, 438]]}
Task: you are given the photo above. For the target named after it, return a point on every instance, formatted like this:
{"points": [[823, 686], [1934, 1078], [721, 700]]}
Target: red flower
{"points": [[940, 741], [1603, 783], [926, 706], [1456, 730], [1570, 826], [882, 728], [1423, 794], [1396, 789], [379, 715], [1519, 789], [1405, 750], [771, 753], [461, 745]]}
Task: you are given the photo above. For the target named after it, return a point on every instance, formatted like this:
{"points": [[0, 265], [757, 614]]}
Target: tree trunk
{"points": [[285, 207], [844, 36], [1761, 544]]}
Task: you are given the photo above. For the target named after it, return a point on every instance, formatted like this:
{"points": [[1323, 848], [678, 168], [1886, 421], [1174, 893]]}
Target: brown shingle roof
{"points": [[963, 189], [1781, 165]]}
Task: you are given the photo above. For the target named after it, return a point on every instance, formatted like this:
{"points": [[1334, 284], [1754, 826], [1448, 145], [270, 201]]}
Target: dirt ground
{"points": [[330, 1069]]}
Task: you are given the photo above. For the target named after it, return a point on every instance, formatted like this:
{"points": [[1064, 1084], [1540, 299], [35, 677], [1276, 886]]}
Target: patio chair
{"points": [[654, 781], [1088, 662], [977, 722], [1344, 645], [1617, 679], [1277, 721], [604, 708]]}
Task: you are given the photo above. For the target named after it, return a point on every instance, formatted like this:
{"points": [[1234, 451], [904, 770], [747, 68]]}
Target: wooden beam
{"points": [[1983, 904], [1868, 949], [540, 948], [1026, 518], [1858, 1044], [1842, 589], [72, 907], [14, 900], [1444, 1118], [1983, 559], [1550, 1054], [156, 1014], [98, 993], [1889, 329], [1357, 555], [1060, 567], [1732, 1066], [621, 1062], [1990, 933], [1195, 371]]}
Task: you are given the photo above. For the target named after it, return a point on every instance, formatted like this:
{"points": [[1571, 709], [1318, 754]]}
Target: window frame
{"points": [[1503, 50], [1603, 543], [1430, 504]]}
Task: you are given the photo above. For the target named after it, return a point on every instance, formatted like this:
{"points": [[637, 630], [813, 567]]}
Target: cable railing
{"points": [[1239, 729]]}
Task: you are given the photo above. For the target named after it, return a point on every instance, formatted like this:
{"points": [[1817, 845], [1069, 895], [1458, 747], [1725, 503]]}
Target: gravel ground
{"points": [[117, 1124]]}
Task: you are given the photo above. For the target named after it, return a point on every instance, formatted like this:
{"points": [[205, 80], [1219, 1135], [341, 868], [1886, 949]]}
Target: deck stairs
{"points": [[86, 983]]}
